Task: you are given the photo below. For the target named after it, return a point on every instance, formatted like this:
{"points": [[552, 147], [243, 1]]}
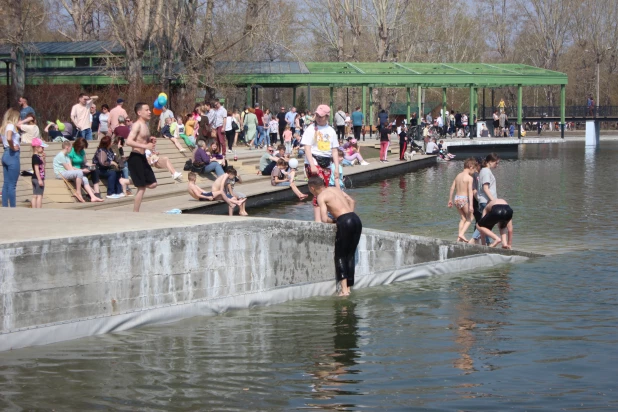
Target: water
{"points": [[539, 335]]}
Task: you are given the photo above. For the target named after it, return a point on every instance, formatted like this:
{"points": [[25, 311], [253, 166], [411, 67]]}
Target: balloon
{"points": [[163, 94], [157, 105], [293, 163], [60, 126], [157, 112], [162, 100]]}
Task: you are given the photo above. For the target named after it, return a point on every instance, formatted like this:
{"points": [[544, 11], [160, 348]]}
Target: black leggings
{"points": [[349, 228], [340, 132], [230, 134], [273, 138], [403, 145], [357, 132], [281, 134]]}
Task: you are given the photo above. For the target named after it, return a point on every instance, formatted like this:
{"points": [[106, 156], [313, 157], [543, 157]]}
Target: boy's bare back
{"points": [[194, 190], [462, 183], [336, 202]]}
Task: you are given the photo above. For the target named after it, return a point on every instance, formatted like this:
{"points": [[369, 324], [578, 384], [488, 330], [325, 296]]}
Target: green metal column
{"points": [[294, 96], [365, 104], [370, 110], [249, 96], [419, 111], [520, 94], [332, 102], [471, 115], [407, 104], [444, 106], [562, 109]]}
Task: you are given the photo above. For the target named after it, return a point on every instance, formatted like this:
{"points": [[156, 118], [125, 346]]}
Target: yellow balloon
{"points": [[163, 94]]}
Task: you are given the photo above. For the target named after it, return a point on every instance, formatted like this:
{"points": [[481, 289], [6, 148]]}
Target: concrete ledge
{"points": [[68, 284]]}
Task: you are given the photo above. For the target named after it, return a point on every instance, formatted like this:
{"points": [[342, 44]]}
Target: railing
{"points": [[553, 111]]}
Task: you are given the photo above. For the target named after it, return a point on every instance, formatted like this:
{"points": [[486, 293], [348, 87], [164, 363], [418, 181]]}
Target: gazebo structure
{"points": [[384, 74]]}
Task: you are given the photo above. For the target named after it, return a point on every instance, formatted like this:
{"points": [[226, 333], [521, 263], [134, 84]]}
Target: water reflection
{"points": [[333, 367]]}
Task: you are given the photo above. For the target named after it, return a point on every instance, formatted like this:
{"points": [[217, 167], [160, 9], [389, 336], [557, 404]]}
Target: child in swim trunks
{"points": [[195, 191], [462, 186], [497, 212]]}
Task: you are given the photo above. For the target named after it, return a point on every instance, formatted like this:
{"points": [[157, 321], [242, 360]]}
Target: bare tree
{"points": [[387, 17], [548, 24], [83, 17], [21, 20], [132, 23], [596, 33]]}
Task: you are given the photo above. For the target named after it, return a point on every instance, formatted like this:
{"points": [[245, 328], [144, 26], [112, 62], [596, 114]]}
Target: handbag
{"points": [[323, 162], [188, 165], [198, 167], [234, 125]]}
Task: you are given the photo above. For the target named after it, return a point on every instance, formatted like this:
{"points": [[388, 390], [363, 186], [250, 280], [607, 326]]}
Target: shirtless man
{"points": [[498, 212], [218, 192], [462, 186], [349, 227], [140, 140]]}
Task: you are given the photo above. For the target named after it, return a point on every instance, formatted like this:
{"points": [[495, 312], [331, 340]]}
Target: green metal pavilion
{"points": [[405, 75]]}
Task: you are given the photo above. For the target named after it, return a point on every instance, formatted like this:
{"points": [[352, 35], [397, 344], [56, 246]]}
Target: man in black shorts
{"points": [[349, 228], [140, 140], [497, 212]]}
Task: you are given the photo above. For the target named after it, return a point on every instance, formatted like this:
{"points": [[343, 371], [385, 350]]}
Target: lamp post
{"points": [[8, 78]]}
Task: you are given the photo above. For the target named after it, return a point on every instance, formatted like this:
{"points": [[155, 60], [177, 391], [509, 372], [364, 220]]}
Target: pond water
{"points": [[538, 335]]}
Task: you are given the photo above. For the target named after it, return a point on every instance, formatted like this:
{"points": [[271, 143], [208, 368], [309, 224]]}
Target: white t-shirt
{"points": [[228, 123], [220, 114], [322, 141], [431, 148], [103, 122], [15, 136]]}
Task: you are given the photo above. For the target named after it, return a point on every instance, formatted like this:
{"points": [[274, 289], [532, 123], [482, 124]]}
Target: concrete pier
{"points": [[68, 274]]}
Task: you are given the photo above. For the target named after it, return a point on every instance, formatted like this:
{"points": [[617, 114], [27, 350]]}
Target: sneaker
{"points": [[112, 196], [120, 195], [177, 175], [385, 161], [363, 163]]}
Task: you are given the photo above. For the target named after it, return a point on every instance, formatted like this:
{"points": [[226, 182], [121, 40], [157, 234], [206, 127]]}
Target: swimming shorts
{"points": [[349, 228], [499, 215], [140, 171], [201, 199], [461, 201]]}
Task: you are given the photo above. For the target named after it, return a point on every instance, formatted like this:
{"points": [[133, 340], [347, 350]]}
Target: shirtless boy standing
{"points": [[497, 212], [140, 140], [462, 186], [349, 227], [218, 192]]}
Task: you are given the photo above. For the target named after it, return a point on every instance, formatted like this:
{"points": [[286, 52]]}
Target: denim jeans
{"points": [[477, 234], [11, 169], [86, 134], [261, 135], [113, 181], [214, 167]]}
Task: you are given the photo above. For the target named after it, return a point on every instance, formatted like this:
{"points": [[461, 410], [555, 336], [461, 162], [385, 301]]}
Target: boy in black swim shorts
{"points": [[139, 140], [349, 228], [497, 212]]}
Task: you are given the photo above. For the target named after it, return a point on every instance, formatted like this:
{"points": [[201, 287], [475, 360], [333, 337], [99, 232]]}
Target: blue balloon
{"points": [[158, 105], [162, 100]]}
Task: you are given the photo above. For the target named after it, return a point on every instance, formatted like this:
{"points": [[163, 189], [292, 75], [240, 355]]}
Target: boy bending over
{"points": [[349, 228], [218, 192], [497, 212]]}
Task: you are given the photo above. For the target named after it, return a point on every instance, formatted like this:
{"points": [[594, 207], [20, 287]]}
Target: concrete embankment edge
{"points": [[62, 289]]}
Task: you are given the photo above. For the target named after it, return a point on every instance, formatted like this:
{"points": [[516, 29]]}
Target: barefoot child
{"points": [[195, 191], [232, 194], [218, 190], [349, 228], [38, 178], [497, 212], [462, 186], [282, 176]]}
